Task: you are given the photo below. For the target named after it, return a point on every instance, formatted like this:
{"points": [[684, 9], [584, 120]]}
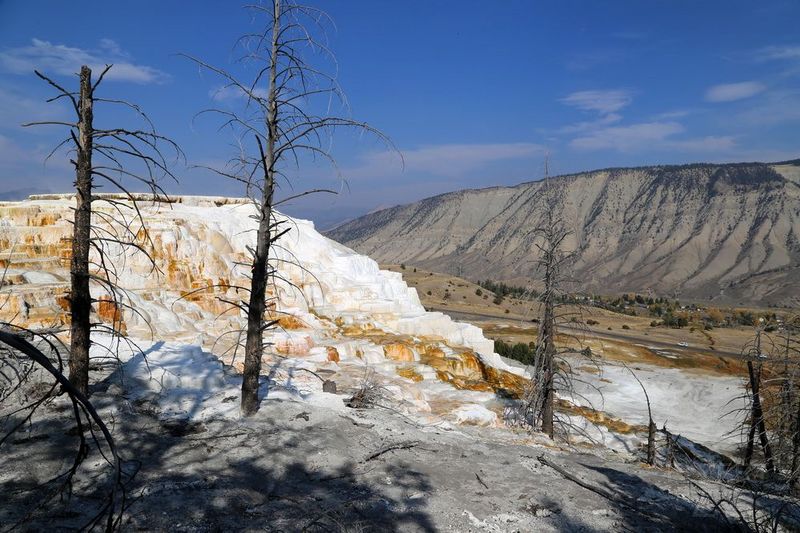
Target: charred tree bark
{"points": [[548, 337], [80, 300], [258, 285], [651, 442], [757, 414]]}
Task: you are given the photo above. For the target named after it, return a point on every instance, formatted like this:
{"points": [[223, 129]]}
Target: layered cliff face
{"points": [[726, 232], [340, 315]]}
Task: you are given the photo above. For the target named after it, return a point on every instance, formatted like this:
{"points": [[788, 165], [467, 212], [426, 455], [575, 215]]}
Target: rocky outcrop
{"points": [[725, 232]]}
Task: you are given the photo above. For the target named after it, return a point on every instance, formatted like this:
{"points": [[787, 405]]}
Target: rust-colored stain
{"points": [[398, 351], [62, 300], [110, 313], [600, 418], [291, 322], [408, 372], [333, 354]]}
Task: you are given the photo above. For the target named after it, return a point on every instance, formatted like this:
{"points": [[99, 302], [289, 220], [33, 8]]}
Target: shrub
{"points": [[429, 293], [519, 352], [403, 266], [625, 326], [592, 322], [506, 311], [478, 292], [497, 300]]}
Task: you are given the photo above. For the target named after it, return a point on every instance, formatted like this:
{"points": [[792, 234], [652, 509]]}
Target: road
{"points": [[602, 334]]}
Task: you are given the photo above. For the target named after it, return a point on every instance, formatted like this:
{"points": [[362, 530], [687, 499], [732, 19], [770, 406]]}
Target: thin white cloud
{"points": [[23, 165], [229, 93], [779, 52], [776, 107], [626, 138], [16, 108], [580, 127], [729, 92], [65, 60], [671, 115], [604, 102], [650, 136], [712, 143], [449, 160]]}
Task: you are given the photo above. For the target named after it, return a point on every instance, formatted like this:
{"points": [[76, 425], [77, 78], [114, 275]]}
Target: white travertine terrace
{"points": [[341, 309]]}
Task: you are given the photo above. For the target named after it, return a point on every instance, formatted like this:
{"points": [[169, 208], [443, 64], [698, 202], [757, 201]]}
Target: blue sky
{"points": [[473, 93]]}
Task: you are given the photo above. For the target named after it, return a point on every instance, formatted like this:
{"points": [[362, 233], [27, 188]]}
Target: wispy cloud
{"points": [[626, 138], [16, 108], [608, 101], [589, 125], [779, 52], [671, 115], [729, 92], [776, 107], [228, 93], [64, 60], [23, 165], [448, 160], [649, 135]]}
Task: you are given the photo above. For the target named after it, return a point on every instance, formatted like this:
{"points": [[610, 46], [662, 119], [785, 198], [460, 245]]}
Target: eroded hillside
{"points": [[724, 232]]}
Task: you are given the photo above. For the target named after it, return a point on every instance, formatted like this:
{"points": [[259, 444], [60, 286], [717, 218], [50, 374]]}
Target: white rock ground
{"points": [[307, 463]]}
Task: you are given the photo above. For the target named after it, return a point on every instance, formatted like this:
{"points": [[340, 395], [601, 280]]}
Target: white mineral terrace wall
{"points": [[338, 310]]}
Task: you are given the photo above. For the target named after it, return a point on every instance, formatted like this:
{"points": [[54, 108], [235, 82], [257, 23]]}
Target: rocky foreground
{"points": [[192, 465]]}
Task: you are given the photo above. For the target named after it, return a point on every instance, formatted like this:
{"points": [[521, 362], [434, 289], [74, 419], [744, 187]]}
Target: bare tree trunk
{"points": [[548, 331], [757, 419], [258, 285], [651, 442], [80, 299], [651, 426]]}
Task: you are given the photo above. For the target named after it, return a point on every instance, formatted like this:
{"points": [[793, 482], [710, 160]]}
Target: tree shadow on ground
{"points": [[646, 506], [275, 472], [269, 474]]}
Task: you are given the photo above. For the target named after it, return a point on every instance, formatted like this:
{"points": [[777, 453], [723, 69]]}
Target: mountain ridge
{"points": [[726, 232]]}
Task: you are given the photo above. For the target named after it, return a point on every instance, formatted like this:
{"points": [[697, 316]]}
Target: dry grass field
{"points": [[616, 336]]}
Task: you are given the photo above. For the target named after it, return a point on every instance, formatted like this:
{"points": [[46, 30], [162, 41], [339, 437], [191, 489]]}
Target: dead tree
{"points": [[651, 425], [756, 420], [275, 129], [781, 388], [790, 399], [116, 156], [550, 371]]}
